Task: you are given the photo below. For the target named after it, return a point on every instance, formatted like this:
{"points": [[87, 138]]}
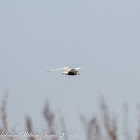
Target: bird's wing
{"points": [[65, 68], [77, 68]]}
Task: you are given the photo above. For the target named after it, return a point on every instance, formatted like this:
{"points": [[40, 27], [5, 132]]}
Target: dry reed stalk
{"points": [[29, 128], [93, 131], [110, 125], [63, 126], [3, 112], [49, 117]]}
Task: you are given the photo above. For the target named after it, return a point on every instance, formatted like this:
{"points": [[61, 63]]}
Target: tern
{"points": [[68, 71]]}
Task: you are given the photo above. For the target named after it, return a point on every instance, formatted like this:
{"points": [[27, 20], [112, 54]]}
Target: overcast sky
{"points": [[102, 36]]}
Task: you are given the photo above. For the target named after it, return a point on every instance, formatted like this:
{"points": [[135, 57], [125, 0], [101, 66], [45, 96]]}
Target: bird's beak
{"points": [[78, 73]]}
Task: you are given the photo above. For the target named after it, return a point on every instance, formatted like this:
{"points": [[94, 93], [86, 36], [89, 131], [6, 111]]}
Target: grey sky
{"points": [[101, 36]]}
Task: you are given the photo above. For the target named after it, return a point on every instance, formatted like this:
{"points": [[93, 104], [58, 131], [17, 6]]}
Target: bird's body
{"points": [[73, 72], [68, 71]]}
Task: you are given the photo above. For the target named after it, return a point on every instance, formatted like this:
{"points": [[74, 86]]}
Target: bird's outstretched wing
{"points": [[65, 68], [77, 68]]}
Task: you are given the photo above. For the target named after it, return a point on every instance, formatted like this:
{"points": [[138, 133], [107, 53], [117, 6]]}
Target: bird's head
{"points": [[78, 73]]}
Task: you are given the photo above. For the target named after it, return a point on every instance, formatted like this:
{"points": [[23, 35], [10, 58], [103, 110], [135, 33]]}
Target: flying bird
{"points": [[68, 71]]}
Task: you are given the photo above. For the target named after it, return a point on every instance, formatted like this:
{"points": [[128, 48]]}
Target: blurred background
{"points": [[100, 36]]}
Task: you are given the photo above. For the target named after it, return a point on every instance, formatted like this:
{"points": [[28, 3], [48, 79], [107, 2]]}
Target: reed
{"points": [[105, 129]]}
